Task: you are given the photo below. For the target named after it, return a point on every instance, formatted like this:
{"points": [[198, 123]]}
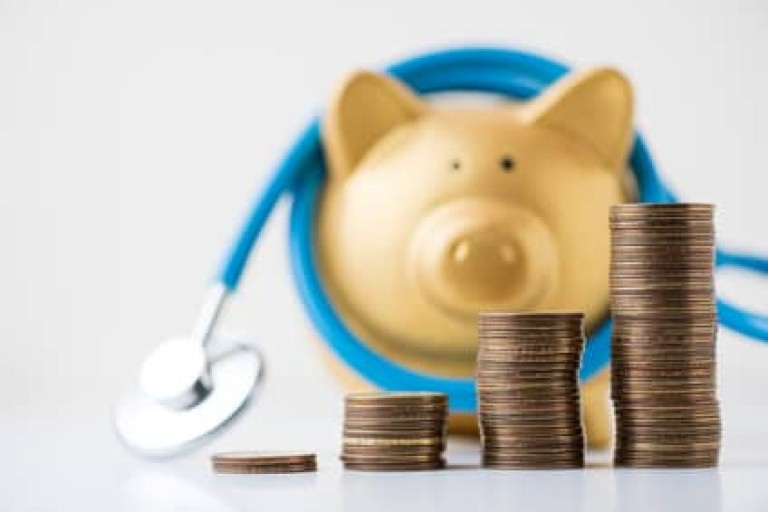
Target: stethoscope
{"points": [[190, 387]]}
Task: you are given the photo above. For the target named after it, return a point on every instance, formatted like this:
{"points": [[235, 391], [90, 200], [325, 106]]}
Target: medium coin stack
{"points": [[394, 431], [528, 391], [663, 307]]}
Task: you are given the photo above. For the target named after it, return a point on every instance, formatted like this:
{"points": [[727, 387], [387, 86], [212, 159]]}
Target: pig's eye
{"points": [[507, 164], [455, 165]]}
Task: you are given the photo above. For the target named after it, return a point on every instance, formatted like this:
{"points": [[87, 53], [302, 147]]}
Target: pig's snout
{"points": [[478, 254]]}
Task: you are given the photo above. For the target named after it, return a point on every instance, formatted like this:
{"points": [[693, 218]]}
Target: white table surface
{"points": [[67, 458]]}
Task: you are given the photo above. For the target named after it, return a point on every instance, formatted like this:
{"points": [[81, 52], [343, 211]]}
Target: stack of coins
{"points": [[528, 392], [663, 307], [394, 431], [263, 462]]}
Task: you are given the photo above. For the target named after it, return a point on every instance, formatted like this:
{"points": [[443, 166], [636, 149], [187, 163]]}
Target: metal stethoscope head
{"points": [[188, 387]]}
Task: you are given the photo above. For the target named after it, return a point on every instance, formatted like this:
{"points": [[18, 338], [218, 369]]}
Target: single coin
{"points": [[626, 347], [512, 357], [707, 413], [543, 346], [629, 372], [528, 363], [263, 469], [662, 244], [399, 398], [658, 303], [679, 464], [524, 396], [667, 426], [368, 466], [559, 387], [507, 465], [531, 335], [491, 428], [392, 451], [531, 430], [372, 441], [661, 326], [526, 368], [692, 419], [521, 456], [662, 392], [633, 395], [698, 441], [523, 375], [403, 452], [570, 462], [382, 432], [700, 364], [633, 398], [663, 210], [666, 457], [680, 227], [562, 409], [529, 403], [516, 418], [398, 410], [664, 360], [383, 424], [396, 418], [668, 382], [396, 454], [523, 316], [625, 247], [513, 447], [625, 254], [543, 437]]}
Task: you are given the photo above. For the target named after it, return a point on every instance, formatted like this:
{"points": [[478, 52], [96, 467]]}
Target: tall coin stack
{"points": [[528, 391], [663, 307], [394, 431]]}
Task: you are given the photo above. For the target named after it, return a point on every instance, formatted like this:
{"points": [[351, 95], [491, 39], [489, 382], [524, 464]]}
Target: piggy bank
{"points": [[433, 213]]}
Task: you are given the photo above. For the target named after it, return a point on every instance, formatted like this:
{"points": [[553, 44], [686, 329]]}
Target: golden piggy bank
{"points": [[431, 214]]}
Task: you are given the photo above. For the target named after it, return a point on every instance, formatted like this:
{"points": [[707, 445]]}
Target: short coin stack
{"points": [[527, 387], [663, 307], [394, 431], [263, 462]]}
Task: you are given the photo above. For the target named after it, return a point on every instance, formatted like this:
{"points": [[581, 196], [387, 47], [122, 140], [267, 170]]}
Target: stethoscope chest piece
{"points": [[185, 394]]}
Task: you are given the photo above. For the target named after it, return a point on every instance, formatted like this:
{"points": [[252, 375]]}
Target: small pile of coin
{"points": [[663, 307], [527, 389], [394, 431], [263, 462]]}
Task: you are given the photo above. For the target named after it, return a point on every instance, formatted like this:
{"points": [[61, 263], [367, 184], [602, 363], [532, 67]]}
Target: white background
{"points": [[133, 135]]}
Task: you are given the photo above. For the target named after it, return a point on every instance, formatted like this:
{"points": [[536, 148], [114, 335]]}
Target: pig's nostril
{"points": [[460, 251]]}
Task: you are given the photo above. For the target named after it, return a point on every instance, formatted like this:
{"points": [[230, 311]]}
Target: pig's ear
{"points": [[593, 106], [367, 106]]}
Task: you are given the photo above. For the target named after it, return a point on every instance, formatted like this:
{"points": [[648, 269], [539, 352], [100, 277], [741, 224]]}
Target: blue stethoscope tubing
{"points": [[516, 74]]}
